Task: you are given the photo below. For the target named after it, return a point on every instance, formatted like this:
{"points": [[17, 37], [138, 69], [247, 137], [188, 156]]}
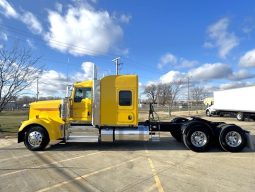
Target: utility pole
{"points": [[117, 64], [37, 89]]}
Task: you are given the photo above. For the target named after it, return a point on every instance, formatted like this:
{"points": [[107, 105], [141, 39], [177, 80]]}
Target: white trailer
{"points": [[239, 101]]}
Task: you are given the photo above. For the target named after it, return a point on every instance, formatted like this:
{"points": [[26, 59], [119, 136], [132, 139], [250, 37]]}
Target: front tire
{"points": [[36, 138], [232, 138]]}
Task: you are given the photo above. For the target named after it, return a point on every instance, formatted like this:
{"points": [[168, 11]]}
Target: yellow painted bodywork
{"points": [[46, 114], [111, 113], [81, 111]]}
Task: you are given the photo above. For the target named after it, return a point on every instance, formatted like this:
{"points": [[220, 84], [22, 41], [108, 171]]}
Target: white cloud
{"points": [[248, 25], [221, 38], [32, 22], [3, 36], [207, 72], [82, 31], [125, 18], [53, 83], [7, 9], [30, 44], [26, 17], [241, 75], [172, 60], [248, 59], [211, 71], [172, 76], [184, 63], [167, 59], [87, 72], [59, 7], [232, 85]]}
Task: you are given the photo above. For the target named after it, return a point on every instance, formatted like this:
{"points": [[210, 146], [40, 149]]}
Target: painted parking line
{"points": [[154, 172], [86, 175], [18, 157], [155, 175], [52, 163]]}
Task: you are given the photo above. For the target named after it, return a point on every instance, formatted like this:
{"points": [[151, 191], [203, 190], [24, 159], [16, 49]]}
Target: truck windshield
{"points": [[83, 93]]}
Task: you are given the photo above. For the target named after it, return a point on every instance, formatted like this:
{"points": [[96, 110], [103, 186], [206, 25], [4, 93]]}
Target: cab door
{"points": [[82, 104]]}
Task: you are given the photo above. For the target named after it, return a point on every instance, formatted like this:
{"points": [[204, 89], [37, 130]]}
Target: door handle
{"points": [[130, 117]]}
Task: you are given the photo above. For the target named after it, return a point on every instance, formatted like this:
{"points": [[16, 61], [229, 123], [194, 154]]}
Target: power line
{"points": [[66, 45]]}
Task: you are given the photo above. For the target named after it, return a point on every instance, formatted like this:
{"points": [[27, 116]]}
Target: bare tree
{"points": [[18, 71], [198, 94], [174, 89], [151, 92], [163, 93]]}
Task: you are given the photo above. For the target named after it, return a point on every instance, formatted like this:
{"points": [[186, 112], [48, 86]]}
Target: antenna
{"points": [[94, 72], [37, 89], [67, 69], [117, 64]]}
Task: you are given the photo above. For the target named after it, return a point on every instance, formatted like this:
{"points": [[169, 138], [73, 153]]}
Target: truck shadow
{"points": [[165, 143]]}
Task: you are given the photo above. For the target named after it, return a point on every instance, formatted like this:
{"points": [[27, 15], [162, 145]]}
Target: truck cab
{"points": [[110, 102], [81, 102]]}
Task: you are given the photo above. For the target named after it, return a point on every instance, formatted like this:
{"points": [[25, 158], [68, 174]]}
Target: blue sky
{"points": [[213, 42]]}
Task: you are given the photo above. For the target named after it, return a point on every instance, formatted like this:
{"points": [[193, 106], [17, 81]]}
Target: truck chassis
{"points": [[197, 134]]}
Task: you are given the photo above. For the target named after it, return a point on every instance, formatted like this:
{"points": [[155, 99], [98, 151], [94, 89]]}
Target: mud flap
{"points": [[250, 143]]}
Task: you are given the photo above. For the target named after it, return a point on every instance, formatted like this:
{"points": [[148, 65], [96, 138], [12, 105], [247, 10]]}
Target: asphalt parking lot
{"points": [[127, 166]]}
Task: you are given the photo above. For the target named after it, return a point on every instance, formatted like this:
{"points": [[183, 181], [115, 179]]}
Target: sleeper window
{"points": [[125, 98]]}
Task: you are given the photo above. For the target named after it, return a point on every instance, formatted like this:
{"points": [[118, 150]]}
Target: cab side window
{"points": [[125, 98], [82, 93]]}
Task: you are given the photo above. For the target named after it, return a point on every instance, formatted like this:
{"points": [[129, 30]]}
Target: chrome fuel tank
{"points": [[140, 133]]}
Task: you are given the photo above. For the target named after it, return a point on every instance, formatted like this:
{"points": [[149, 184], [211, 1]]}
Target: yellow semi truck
{"points": [[106, 110]]}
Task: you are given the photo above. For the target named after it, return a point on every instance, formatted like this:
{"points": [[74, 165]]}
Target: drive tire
{"points": [[197, 132], [232, 138], [177, 133], [240, 116], [36, 138], [208, 114]]}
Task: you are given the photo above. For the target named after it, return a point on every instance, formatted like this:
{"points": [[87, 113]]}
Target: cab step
{"points": [[82, 139], [155, 136]]}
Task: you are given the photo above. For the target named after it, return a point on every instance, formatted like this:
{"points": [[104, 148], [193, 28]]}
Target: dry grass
{"points": [[10, 122]]}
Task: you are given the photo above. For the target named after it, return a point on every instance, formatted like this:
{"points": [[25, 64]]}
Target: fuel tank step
{"points": [[82, 139], [83, 131]]}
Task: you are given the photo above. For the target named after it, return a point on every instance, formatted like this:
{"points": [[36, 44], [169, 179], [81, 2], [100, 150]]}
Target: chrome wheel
{"points": [[240, 116], [35, 139], [233, 139], [198, 139]]}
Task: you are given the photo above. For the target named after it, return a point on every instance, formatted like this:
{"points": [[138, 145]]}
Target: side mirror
{"points": [[77, 99]]}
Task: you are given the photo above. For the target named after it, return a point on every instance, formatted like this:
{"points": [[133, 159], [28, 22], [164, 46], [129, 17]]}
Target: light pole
{"points": [[117, 64]]}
